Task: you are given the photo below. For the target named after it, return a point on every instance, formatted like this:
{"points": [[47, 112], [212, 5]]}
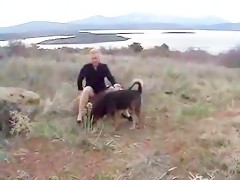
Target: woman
{"points": [[94, 73]]}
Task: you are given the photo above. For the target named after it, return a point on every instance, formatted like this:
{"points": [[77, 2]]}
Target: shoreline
{"points": [[45, 34], [117, 39]]}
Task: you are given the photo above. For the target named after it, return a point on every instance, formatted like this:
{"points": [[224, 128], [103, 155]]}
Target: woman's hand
{"points": [[117, 86]]}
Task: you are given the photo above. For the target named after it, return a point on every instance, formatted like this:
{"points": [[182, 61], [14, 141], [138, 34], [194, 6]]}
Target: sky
{"points": [[20, 11]]}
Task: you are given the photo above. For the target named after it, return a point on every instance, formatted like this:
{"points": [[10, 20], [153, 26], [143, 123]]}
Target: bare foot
{"points": [[79, 119]]}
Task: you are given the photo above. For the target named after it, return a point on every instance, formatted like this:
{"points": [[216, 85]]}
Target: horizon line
{"points": [[79, 19]]}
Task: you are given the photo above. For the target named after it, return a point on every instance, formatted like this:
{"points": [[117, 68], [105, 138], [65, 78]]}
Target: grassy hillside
{"points": [[193, 127]]}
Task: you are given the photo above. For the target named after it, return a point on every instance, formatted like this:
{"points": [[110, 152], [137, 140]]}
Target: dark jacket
{"points": [[95, 78]]}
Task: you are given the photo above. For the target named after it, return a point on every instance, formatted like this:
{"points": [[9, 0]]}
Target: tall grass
{"points": [[184, 91], [191, 84]]}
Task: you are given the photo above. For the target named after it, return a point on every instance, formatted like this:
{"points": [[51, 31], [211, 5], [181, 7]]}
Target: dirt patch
{"points": [[55, 158], [38, 155], [206, 145], [141, 154]]}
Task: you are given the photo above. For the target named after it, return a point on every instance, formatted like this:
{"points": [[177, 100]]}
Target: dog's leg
{"points": [[116, 121], [127, 115], [99, 126], [140, 122], [111, 110], [137, 120], [134, 122]]}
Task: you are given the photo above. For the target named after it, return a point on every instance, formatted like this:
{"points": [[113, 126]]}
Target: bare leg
{"points": [[75, 104], [83, 100]]}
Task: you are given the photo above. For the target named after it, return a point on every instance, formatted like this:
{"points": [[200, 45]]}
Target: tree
{"points": [[136, 47]]}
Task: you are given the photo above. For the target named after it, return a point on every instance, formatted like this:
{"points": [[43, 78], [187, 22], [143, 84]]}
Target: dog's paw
{"points": [[141, 126], [132, 127], [138, 126], [95, 130]]}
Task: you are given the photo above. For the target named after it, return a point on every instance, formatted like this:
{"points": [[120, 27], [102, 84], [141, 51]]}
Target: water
{"points": [[211, 41]]}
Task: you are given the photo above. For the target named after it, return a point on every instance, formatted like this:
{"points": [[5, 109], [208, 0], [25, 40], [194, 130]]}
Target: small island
{"points": [[178, 32], [85, 38]]}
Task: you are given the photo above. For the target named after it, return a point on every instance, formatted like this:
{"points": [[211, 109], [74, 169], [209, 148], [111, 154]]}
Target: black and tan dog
{"points": [[113, 103]]}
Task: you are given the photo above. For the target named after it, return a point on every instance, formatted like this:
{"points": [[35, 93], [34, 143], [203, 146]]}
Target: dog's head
{"points": [[88, 108]]}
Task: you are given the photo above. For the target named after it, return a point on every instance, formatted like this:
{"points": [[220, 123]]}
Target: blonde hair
{"points": [[94, 51]]}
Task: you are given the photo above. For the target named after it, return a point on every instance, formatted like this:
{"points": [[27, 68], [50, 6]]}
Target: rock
{"points": [[19, 95], [29, 100], [16, 99]]}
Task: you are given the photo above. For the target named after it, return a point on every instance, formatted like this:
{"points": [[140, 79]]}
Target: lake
{"points": [[211, 41]]}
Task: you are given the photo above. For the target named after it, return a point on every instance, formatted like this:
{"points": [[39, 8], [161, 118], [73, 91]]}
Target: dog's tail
{"points": [[139, 82]]}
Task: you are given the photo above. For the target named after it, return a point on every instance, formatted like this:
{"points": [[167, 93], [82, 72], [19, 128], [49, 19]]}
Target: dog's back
{"points": [[122, 99]]}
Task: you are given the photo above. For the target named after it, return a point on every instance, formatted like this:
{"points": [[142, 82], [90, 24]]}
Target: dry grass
{"points": [[178, 123], [21, 123]]}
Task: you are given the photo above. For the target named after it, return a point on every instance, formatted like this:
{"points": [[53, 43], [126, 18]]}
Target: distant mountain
{"points": [[223, 26], [38, 26], [129, 21], [139, 18]]}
